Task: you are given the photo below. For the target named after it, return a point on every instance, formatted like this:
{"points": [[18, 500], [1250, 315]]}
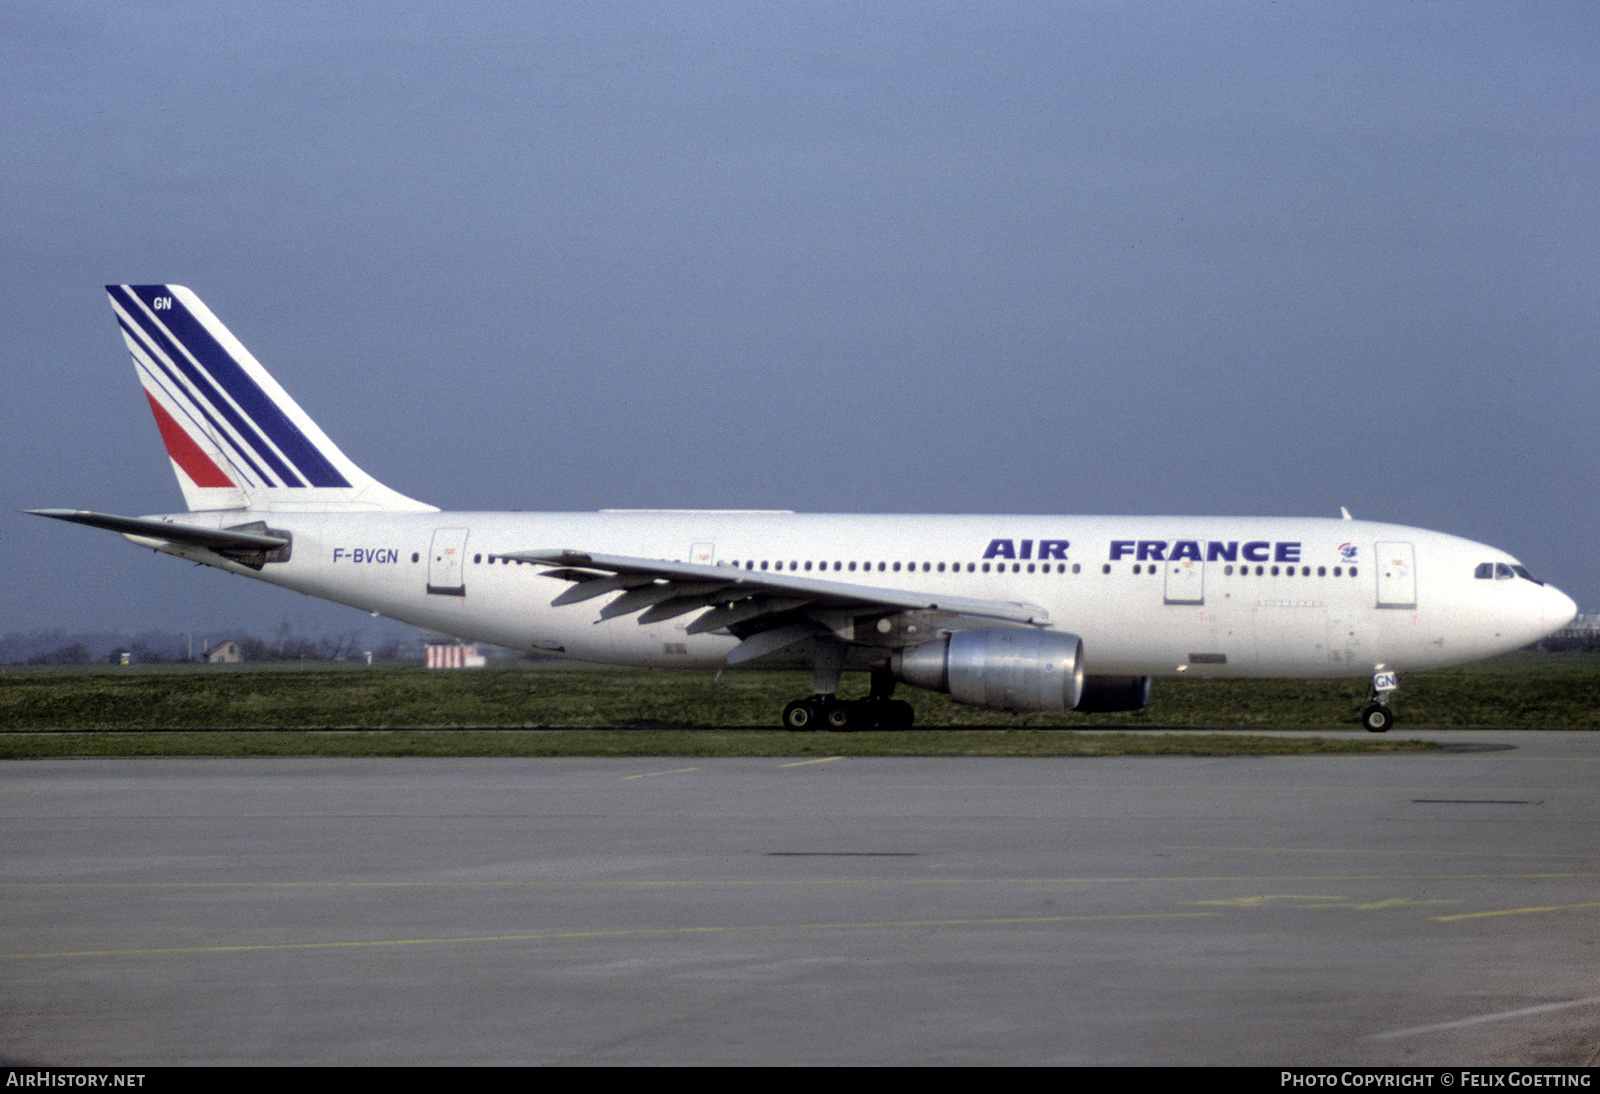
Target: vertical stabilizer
{"points": [[236, 439]]}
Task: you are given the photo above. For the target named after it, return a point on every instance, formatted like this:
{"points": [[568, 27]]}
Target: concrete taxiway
{"points": [[1437, 908]]}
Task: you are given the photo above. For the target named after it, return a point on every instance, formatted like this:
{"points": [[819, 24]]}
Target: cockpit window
{"points": [[1500, 571]]}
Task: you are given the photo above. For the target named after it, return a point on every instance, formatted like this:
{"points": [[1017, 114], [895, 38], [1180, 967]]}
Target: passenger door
{"points": [[1186, 581], [1397, 575], [446, 562]]}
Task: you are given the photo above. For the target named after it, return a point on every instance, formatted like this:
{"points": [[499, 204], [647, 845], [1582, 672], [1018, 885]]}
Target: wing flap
{"points": [[737, 596], [740, 611], [773, 641]]}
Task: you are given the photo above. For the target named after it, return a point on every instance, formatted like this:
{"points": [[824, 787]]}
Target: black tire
{"points": [[896, 714], [840, 717], [800, 715], [1377, 718]]}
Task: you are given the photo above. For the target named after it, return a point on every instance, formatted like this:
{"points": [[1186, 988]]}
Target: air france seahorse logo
{"points": [[1347, 551]]}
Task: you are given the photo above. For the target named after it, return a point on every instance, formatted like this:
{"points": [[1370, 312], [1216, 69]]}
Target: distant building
{"points": [[441, 656], [1582, 635], [1584, 626], [226, 652]]}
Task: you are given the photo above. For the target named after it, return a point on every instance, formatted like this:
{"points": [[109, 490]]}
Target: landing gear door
{"points": [[446, 574], [1186, 581], [1397, 575]]}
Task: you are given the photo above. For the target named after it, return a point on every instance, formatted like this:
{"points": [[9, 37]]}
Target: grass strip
{"points": [[1520, 691]]}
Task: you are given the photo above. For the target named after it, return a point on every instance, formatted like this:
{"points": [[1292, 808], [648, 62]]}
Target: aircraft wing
{"points": [[769, 609], [222, 541]]}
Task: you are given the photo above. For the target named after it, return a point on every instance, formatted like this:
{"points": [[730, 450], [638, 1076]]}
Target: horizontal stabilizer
{"points": [[220, 540]]}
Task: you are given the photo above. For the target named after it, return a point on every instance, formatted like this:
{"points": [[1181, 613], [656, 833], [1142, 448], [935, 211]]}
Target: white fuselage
{"points": [[1158, 596]]}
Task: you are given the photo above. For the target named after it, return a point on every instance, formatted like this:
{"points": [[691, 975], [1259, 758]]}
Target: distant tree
{"points": [[395, 650], [339, 647], [75, 654], [253, 649], [146, 654]]}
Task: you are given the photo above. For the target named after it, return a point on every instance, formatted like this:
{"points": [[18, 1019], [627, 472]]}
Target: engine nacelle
{"points": [[1001, 669], [1110, 694]]}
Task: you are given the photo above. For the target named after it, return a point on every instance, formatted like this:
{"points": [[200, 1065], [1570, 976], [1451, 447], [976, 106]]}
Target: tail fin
{"points": [[235, 437]]}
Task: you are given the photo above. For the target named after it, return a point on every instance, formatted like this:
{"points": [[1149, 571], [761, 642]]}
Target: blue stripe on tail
{"points": [[263, 412]]}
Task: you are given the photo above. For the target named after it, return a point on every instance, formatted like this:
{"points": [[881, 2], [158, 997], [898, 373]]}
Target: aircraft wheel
{"points": [[840, 717], [1377, 718], [800, 714]]}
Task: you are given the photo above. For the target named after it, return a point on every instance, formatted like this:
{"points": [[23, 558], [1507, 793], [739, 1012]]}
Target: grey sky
{"points": [[1185, 258]]}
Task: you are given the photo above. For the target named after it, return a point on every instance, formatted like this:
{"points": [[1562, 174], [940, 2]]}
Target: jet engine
{"points": [[1001, 669]]}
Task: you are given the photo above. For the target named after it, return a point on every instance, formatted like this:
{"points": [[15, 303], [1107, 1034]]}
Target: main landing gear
{"points": [[824, 711], [843, 715], [1377, 717]]}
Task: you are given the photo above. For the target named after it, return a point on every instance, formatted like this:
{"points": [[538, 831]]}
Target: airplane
{"points": [[1011, 613]]}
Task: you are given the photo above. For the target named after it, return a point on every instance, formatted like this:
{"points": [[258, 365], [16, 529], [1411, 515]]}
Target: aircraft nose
{"points": [[1560, 609]]}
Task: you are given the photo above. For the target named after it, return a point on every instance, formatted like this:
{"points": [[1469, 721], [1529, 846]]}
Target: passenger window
{"points": [[985, 567], [1074, 567]]}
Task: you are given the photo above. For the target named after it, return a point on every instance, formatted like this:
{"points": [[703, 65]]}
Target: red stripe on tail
{"points": [[184, 452]]}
